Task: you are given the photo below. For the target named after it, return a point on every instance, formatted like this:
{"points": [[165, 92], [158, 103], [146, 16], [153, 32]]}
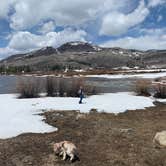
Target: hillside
{"points": [[80, 55]]}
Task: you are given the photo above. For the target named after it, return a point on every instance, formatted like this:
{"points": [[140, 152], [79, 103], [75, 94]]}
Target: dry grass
{"points": [[28, 88], [74, 86], [64, 87], [102, 140], [53, 86], [160, 90], [142, 87]]}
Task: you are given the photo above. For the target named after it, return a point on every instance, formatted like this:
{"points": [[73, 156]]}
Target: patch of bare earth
{"points": [[102, 139]]}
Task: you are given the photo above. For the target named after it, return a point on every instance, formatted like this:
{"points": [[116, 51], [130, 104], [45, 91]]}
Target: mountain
{"points": [[78, 47], [46, 51], [81, 55]]}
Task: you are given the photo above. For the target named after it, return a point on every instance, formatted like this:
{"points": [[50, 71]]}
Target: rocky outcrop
{"points": [[160, 139]]}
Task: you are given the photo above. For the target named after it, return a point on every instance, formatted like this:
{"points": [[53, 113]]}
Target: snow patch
{"points": [[20, 115], [76, 43], [119, 76], [96, 48]]}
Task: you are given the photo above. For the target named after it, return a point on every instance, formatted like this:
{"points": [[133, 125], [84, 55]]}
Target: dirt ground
{"points": [[102, 140]]}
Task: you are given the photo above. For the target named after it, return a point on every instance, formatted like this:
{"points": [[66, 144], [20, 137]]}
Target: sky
{"points": [[27, 25]]}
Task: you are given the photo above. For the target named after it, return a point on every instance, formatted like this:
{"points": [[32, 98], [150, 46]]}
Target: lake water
{"points": [[8, 84]]}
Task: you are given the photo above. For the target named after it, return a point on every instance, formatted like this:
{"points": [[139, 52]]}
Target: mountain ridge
{"points": [[83, 55]]}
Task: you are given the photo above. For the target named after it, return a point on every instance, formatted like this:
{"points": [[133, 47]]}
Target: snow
{"points": [[21, 115], [18, 116], [96, 48], [77, 43], [119, 76], [74, 44], [79, 70]]}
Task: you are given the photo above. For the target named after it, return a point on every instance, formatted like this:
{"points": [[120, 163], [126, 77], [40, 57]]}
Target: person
{"points": [[81, 94]]}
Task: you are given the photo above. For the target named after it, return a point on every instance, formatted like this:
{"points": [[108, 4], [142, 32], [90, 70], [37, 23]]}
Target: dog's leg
{"points": [[64, 155], [71, 157], [61, 153]]}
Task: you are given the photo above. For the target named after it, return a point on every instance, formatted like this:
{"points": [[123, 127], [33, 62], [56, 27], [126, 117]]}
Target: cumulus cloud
{"points": [[160, 17], [116, 23], [151, 39], [4, 8], [32, 22], [26, 41], [63, 13], [4, 52], [154, 3], [29, 12], [47, 27]]}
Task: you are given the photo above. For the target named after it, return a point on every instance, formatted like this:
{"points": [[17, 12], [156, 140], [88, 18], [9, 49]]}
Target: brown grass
{"points": [[62, 87], [28, 88], [160, 90], [102, 139], [51, 86], [142, 87]]}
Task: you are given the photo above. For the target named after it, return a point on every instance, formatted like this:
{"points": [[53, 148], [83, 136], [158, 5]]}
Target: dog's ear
{"points": [[63, 144]]}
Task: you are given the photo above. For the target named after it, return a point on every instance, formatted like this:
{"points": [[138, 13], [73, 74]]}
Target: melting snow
{"points": [[20, 115], [119, 76]]}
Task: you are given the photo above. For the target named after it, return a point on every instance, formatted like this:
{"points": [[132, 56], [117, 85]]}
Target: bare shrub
{"points": [[28, 88], [70, 87], [50, 86], [74, 86], [56, 86], [160, 90], [91, 90], [62, 87], [142, 87]]}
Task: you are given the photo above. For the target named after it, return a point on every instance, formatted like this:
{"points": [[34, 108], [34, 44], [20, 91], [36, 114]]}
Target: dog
{"points": [[65, 148]]}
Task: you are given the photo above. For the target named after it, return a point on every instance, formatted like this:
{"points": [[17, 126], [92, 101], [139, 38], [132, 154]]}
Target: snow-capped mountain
{"points": [[81, 55]]}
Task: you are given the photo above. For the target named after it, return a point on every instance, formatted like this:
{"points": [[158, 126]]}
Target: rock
{"points": [[160, 139]]}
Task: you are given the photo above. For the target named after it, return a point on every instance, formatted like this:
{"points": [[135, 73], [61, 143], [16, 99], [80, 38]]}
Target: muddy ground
{"points": [[102, 140]]}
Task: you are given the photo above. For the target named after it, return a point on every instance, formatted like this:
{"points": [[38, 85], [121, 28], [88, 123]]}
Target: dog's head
{"points": [[57, 148]]}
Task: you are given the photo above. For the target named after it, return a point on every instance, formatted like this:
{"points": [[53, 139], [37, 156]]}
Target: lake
{"points": [[8, 84]]}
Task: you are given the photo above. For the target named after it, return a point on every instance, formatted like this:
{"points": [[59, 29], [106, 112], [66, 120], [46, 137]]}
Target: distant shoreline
{"points": [[86, 72]]}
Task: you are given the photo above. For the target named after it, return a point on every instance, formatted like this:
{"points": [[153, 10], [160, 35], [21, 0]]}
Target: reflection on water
{"points": [[8, 84]]}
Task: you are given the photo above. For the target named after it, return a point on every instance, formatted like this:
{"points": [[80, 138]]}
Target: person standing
{"points": [[81, 94]]}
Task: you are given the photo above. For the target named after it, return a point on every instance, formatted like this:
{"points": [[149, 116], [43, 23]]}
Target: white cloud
{"points": [[112, 16], [154, 3], [160, 17], [116, 23], [47, 27], [24, 41], [153, 39], [4, 8], [65, 13], [26, 15], [7, 51]]}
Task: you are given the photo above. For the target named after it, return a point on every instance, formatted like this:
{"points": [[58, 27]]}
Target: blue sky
{"points": [[26, 25]]}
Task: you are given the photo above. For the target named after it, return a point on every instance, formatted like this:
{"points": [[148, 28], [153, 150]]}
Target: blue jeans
{"points": [[81, 97]]}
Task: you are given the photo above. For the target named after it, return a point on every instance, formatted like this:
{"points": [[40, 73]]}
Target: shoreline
{"points": [[88, 72]]}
